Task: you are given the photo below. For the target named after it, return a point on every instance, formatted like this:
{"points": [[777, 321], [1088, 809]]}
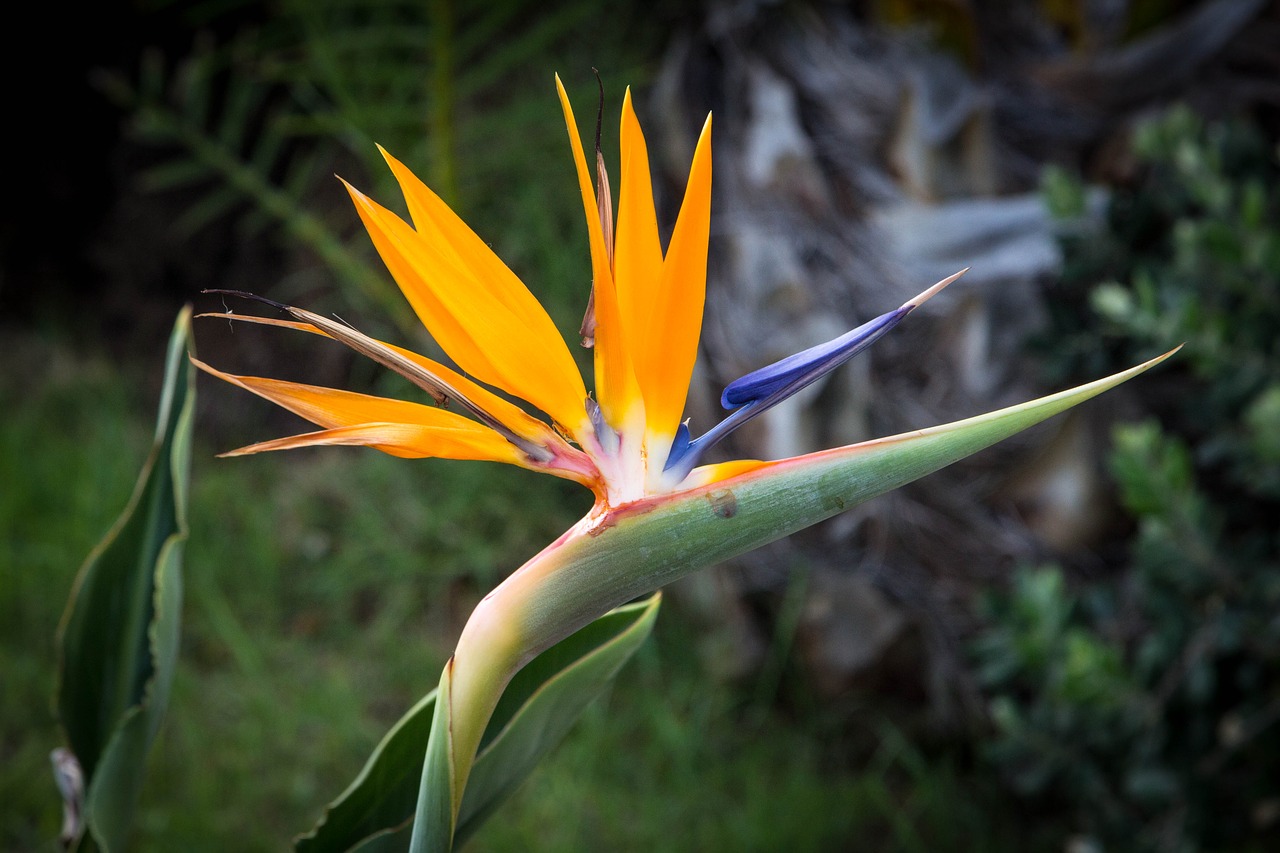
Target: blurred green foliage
{"points": [[251, 125], [1148, 704], [314, 616]]}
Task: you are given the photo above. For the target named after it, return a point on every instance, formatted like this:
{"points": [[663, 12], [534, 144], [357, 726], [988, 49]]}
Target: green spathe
{"points": [[614, 556]]}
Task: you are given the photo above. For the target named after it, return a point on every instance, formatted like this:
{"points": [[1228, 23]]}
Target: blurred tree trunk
{"points": [[857, 161]]}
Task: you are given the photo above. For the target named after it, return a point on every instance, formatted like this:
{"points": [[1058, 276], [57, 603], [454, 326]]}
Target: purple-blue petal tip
{"points": [[761, 389], [679, 446], [789, 375]]}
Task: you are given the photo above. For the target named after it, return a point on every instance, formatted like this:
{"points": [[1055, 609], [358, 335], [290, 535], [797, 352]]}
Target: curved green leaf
{"points": [[382, 797], [558, 684], [536, 711], [118, 639]]}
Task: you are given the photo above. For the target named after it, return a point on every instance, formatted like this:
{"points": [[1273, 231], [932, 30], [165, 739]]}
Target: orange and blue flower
{"points": [[629, 439]]}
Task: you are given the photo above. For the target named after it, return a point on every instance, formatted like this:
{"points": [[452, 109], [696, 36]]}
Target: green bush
{"points": [[1147, 703]]}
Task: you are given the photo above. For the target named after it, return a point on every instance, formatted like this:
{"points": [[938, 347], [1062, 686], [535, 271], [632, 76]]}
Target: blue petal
{"points": [[680, 445], [762, 389], [796, 371]]}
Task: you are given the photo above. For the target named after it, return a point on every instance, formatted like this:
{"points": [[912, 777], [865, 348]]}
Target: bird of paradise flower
{"points": [[659, 513]]}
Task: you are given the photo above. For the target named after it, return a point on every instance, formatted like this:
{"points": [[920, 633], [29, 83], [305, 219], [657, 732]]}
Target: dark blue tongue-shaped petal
{"points": [[764, 388], [794, 372]]}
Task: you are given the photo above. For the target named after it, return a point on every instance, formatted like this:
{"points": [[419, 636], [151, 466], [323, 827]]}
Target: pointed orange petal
{"points": [[410, 441], [333, 407], [616, 389], [707, 474], [515, 349], [665, 364], [599, 252], [400, 423], [454, 239], [637, 260], [426, 303], [516, 419]]}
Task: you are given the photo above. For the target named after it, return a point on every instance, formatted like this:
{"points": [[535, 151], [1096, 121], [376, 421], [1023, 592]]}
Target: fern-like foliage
{"points": [[253, 126]]}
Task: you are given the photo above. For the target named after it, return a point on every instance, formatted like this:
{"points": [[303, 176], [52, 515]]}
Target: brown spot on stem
{"points": [[724, 503], [607, 518]]}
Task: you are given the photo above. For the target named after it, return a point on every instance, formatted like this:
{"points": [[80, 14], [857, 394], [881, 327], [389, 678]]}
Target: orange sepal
{"points": [[518, 351], [664, 366], [408, 441], [616, 389], [512, 416], [437, 432]]}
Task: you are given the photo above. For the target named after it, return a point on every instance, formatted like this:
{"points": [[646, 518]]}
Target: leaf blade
{"points": [[374, 811], [118, 637], [541, 722], [382, 797]]}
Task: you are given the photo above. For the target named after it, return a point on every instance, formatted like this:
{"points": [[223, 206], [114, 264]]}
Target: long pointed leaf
{"points": [[119, 636], [536, 711], [381, 799]]}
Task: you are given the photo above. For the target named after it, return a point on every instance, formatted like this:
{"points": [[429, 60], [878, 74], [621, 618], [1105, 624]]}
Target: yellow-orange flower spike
{"points": [[627, 441]]}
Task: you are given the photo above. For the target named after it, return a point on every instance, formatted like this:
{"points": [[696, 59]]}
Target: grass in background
{"points": [[323, 593], [324, 590]]}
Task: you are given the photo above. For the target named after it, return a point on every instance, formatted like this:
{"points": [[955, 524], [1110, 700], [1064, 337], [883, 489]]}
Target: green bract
{"points": [[610, 558]]}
